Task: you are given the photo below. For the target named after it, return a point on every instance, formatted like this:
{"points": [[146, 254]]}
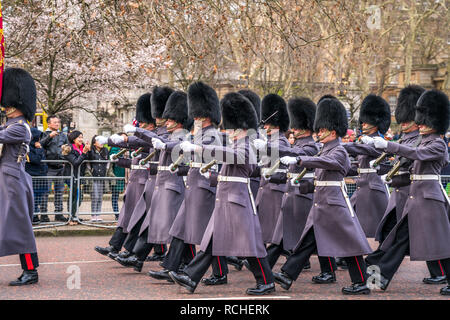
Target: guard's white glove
{"points": [[115, 138], [158, 144], [186, 146], [260, 144], [383, 178], [380, 143], [129, 128], [294, 183], [207, 174], [286, 160], [371, 164], [101, 139], [266, 178], [367, 140], [173, 171], [113, 159]]}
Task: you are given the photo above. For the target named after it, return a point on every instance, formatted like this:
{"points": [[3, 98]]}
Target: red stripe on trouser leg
{"points": [[331, 266], [440, 266], [359, 269], [192, 251], [220, 267], [28, 261], [162, 248], [262, 271]]}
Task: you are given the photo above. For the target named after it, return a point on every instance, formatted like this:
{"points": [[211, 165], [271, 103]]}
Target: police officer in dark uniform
{"points": [[16, 190]]}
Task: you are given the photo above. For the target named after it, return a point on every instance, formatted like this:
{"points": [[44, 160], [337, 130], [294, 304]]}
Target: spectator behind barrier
{"points": [[97, 152], [52, 140], [75, 152], [35, 168]]}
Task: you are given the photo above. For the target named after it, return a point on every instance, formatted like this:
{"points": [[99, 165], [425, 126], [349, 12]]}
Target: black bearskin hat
{"points": [[269, 105], [406, 103], [331, 115], [177, 109], [327, 96], [203, 102], [159, 99], [254, 99], [375, 111], [433, 110], [144, 109], [19, 91], [302, 112], [238, 112]]}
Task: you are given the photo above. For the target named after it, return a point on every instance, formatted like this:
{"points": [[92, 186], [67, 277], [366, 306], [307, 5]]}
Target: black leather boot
{"points": [[324, 277], [125, 254], [283, 279], [160, 275], [131, 261], [235, 262], [445, 291], [215, 280], [105, 250], [184, 281], [27, 277], [356, 289], [261, 289], [156, 257], [435, 280]]}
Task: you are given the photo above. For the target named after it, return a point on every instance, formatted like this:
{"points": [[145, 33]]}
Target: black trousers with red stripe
{"points": [[327, 264], [389, 261], [142, 249], [29, 261], [295, 263], [178, 252], [198, 267]]}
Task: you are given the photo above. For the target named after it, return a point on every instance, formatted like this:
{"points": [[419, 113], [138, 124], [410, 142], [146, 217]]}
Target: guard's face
{"points": [[368, 128], [423, 129]]}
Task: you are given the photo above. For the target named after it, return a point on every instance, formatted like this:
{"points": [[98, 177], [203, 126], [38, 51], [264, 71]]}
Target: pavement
{"points": [[70, 269]]}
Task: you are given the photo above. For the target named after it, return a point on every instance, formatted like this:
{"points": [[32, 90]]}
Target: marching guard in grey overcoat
{"points": [[234, 228], [199, 200], [297, 204], [332, 228], [137, 181], [424, 228], [371, 196], [268, 201], [404, 114], [16, 190], [169, 185]]}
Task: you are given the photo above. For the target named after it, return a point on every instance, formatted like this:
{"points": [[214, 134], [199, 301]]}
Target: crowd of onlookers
{"points": [[61, 148]]}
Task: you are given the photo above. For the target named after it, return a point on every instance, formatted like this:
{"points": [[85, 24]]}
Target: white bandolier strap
{"points": [[163, 168], [139, 167], [233, 179], [241, 180], [425, 177], [362, 170], [291, 175], [264, 171], [342, 186]]}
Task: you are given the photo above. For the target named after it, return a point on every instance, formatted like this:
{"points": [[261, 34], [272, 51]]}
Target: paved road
{"points": [[102, 278]]}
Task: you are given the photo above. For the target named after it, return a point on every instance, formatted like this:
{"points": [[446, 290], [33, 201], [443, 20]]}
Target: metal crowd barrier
{"points": [[53, 196], [97, 197]]}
